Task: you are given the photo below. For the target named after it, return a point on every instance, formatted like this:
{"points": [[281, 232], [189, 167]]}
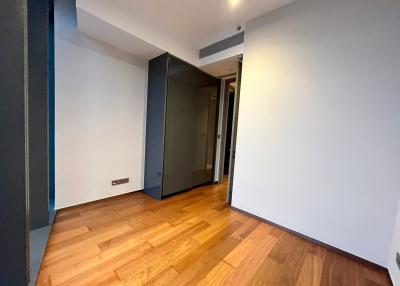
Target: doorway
{"points": [[227, 125], [230, 107]]}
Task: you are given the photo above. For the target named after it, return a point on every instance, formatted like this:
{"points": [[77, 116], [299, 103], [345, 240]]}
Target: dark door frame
{"points": [[223, 132], [234, 132]]}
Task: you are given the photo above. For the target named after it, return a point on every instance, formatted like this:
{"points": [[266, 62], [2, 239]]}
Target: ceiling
{"points": [[101, 30], [181, 27], [223, 67], [197, 22]]}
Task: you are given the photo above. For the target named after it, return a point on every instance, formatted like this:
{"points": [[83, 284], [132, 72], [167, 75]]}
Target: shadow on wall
{"points": [[99, 114], [67, 29]]}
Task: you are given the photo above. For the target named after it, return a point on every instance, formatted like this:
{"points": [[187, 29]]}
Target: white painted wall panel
{"points": [[319, 122], [100, 115]]}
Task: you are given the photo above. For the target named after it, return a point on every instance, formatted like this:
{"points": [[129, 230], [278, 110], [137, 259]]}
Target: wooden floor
{"points": [[189, 239]]}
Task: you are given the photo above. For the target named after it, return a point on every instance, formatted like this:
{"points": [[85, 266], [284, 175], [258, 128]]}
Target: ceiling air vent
{"points": [[222, 45]]}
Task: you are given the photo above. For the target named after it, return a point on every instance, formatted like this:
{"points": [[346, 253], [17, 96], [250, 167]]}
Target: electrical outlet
{"points": [[398, 260], [120, 181]]}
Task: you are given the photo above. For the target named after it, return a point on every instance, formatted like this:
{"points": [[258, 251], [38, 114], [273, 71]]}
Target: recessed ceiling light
{"points": [[233, 3]]}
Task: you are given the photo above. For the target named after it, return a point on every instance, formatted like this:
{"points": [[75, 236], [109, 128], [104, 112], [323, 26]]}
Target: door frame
{"points": [[234, 132], [222, 125]]}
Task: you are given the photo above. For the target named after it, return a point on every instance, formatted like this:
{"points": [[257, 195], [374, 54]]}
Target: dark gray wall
{"points": [[38, 23], [13, 222]]}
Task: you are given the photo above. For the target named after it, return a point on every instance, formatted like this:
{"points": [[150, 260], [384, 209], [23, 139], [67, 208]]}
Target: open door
{"points": [[234, 132]]}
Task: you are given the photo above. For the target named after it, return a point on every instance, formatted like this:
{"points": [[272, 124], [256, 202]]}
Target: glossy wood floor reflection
{"points": [[189, 239]]}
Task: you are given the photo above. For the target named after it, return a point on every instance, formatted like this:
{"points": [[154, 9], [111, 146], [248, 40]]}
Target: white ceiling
{"points": [[95, 27], [181, 27], [223, 67], [197, 22]]}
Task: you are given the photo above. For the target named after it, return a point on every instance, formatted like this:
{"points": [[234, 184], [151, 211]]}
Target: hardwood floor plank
{"points": [[338, 270], [311, 271], [174, 232], [195, 266], [246, 229], [163, 278], [176, 251], [202, 215], [143, 269], [252, 261], [62, 264], [59, 237], [62, 259], [250, 245], [268, 273], [218, 275], [219, 228], [63, 274], [372, 276], [109, 262], [179, 246], [88, 239], [123, 242]]}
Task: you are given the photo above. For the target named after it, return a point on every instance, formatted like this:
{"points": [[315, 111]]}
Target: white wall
{"points": [[100, 115], [119, 14], [319, 122], [393, 268]]}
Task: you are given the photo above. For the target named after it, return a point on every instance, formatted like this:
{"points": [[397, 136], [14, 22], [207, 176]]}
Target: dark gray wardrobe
{"points": [[181, 127]]}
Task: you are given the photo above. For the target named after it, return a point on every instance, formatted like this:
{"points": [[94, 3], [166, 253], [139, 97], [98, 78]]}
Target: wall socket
{"points": [[120, 181]]}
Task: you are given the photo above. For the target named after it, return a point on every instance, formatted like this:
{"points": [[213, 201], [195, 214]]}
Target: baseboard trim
{"points": [[97, 201], [390, 278], [323, 244]]}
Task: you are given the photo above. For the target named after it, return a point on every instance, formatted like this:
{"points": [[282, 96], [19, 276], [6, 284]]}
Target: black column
{"points": [[13, 162], [155, 126], [38, 37]]}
